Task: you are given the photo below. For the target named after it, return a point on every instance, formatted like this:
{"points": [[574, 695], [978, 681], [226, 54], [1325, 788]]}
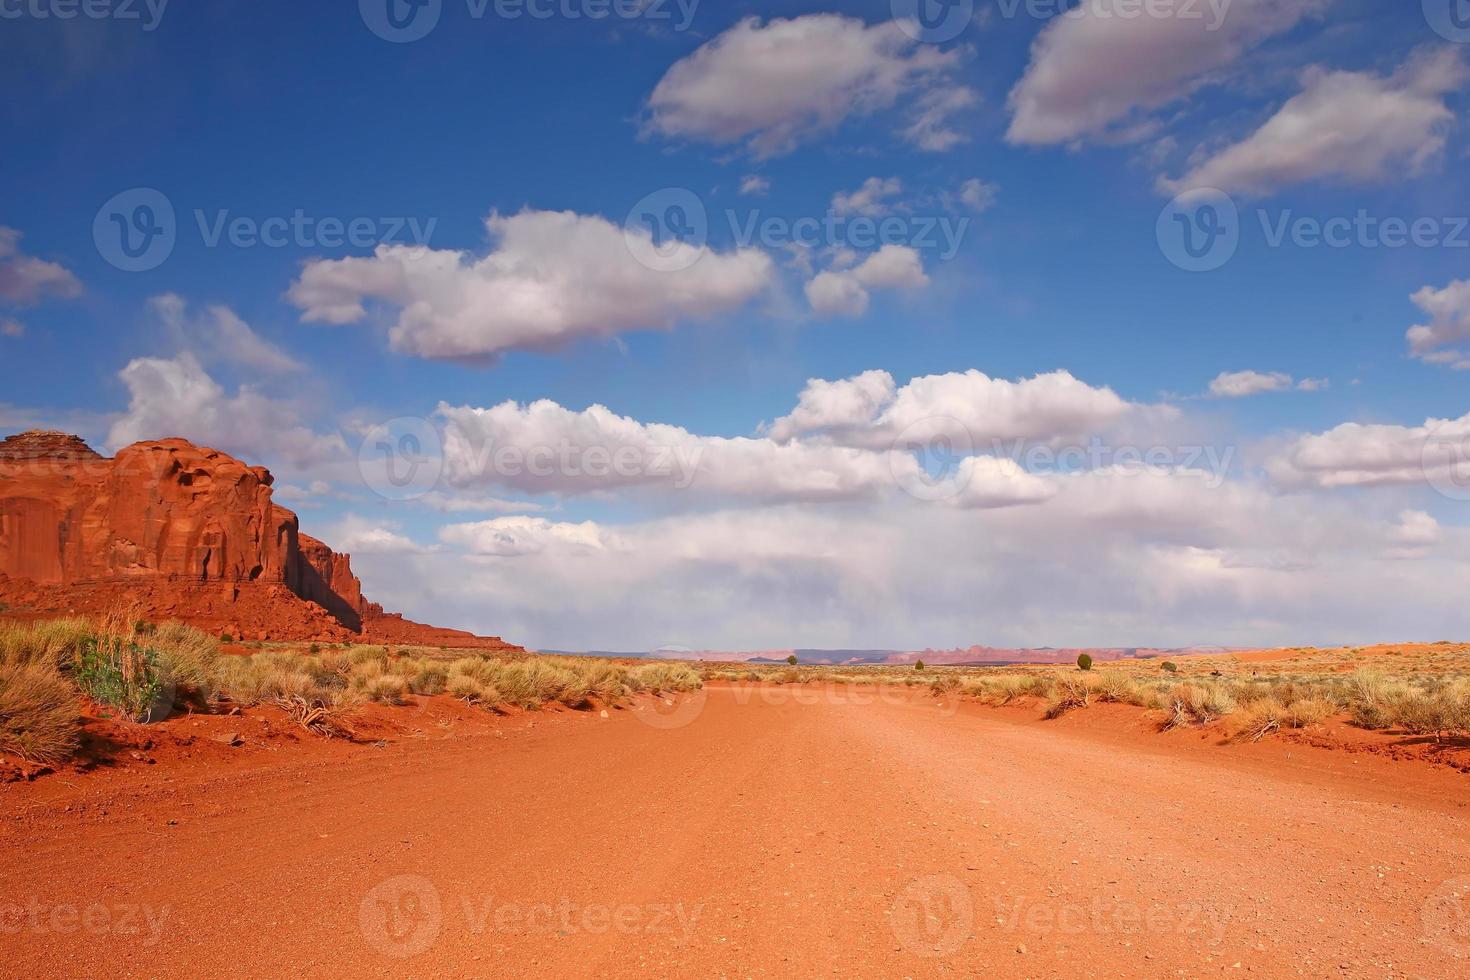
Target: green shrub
{"points": [[1170, 666], [1084, 661], [124, 675], [791, 660]]}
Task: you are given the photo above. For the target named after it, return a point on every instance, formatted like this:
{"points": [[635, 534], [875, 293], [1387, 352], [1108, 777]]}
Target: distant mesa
{"points": [[186, 533]]}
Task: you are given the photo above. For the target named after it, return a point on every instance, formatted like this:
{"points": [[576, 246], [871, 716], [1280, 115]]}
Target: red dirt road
{"points": [[776, 834]]}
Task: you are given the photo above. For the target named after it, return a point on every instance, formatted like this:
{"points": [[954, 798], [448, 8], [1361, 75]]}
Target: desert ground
{"points": [[756, 822]]}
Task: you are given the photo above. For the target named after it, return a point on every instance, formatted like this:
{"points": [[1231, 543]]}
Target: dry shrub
{"points": [[1071, 692], [429, 680], [53, 644], [329, 717], [1197, 704], [1309, 711], [388, 689], [39, 720]]}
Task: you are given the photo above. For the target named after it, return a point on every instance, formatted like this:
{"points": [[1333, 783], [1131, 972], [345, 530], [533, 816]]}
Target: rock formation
{"points": [[182, 531]]}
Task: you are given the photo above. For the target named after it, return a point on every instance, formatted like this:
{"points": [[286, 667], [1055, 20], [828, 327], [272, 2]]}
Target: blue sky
{"points": [[1049, 145]]}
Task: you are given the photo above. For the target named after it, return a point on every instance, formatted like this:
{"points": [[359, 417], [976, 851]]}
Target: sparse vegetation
{"points": [[143, 671]]}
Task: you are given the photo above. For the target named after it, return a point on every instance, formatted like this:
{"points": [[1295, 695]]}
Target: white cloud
{"points": [[870, 410], [873, 199], [775, 85], [25, 279], [1366, 455], [1351, 127], [1096, 72], [754, 185], [1239, 384], [176, 397], [354, 535], [13, 329], [978, 195], [1449, 324], [514, 537], [546, 448], [846, 292], [931, 128], [220, 335], [553, 277], [1242, 384], [1134, 556]]}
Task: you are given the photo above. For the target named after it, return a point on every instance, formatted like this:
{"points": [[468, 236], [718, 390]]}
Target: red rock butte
{"points": [[183, 532]]}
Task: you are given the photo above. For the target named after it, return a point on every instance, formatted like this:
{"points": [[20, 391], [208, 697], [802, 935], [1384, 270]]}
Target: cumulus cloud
{"points": [[1351, 127], [13, 329], [1135, 556], [219, 335], [873, 199], [978, 195], [356, 535], [514, 537], [1096, 72], [177, 397], [754, 185], [544, 447], [1449, 324], [847, 291], [25, 279], [773, 85], [1355, 454], [552, 278], [871, 410]]}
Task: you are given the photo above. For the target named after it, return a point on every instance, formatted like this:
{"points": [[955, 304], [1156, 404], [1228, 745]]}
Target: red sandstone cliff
{"points": [[185, 531]]}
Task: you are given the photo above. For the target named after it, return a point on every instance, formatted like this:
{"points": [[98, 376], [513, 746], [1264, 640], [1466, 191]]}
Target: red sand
{"points": [[780, 832]]}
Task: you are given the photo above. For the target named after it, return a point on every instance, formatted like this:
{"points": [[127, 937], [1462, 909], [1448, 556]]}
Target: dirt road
{"points": [[760, 833]]}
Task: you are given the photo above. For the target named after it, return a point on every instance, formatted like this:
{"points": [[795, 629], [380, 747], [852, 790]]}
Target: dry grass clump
{"points": [[330, 716], [388, 689], [39, 720], [1197, 704], [1070, 693]]}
